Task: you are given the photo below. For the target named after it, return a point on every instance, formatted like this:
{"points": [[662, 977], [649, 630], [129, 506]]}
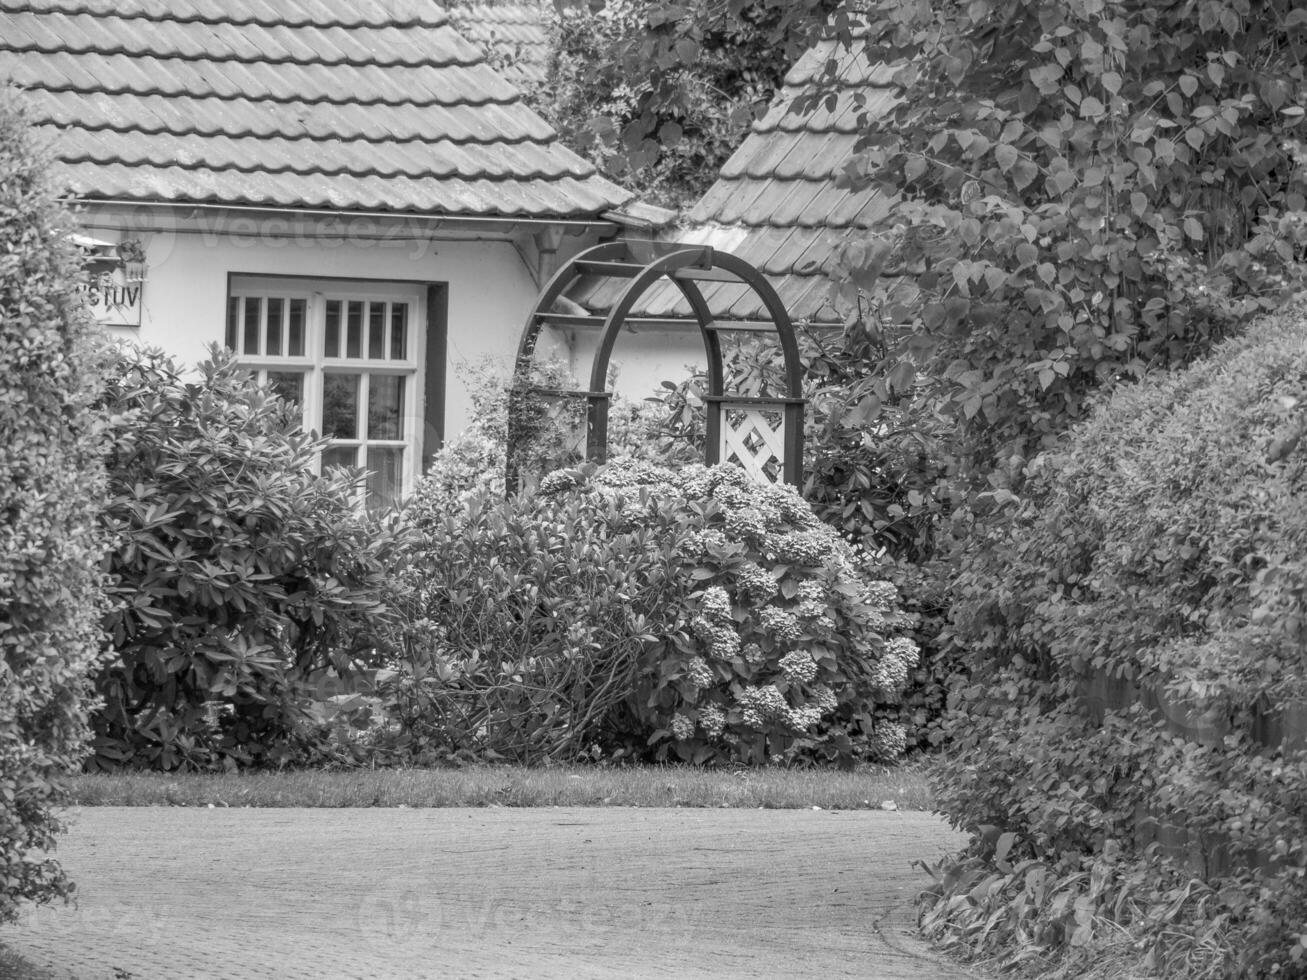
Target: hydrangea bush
{"points": [[785, 644]]}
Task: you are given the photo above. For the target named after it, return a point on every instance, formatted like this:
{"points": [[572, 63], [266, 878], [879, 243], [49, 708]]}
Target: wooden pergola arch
{"points": [[685, 266]]}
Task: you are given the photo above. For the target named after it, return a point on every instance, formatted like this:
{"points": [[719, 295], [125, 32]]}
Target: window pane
{"points": [[385, 406], [295, 329], [253, 323], [354, 338], [339, 456], [233, 320], [274, 327], [398, 331], [377, 330], [333, 328], [385, 481], [288, 385], [340, 406]]}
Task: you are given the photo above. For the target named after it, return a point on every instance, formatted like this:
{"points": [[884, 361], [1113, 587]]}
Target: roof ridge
{"points": [[515, 99], [164, 130], [248, 134], [110, 50], [73, 8], [522, 176]]}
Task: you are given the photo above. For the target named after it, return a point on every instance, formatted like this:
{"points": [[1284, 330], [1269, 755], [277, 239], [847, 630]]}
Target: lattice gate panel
{"points": [[754, 438]]}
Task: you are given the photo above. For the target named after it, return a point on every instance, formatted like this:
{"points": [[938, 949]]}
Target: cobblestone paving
{"points": [[173, 894]]}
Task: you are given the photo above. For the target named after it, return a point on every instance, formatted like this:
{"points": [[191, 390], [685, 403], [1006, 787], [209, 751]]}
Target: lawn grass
{"points": [[902, 787], [14, 967]]}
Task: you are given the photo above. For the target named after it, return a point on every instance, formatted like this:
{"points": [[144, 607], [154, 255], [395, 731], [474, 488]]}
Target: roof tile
{"points": [[298, 103], [515, 34]]}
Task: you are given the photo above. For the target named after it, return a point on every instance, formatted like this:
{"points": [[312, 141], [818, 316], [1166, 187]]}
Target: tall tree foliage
{"points": [[1085, 189], [659, 94]]}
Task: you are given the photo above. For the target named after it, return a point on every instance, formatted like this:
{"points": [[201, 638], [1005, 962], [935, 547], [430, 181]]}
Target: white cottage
{"points": [[342, 191]]}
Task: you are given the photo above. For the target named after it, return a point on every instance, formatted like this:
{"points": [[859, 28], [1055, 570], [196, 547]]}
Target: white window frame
{"points": [[315, 365]]}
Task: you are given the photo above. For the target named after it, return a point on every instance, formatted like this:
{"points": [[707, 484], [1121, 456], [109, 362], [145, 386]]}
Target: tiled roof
{"points": [[776, 204], [514, 35], [368, 105]]}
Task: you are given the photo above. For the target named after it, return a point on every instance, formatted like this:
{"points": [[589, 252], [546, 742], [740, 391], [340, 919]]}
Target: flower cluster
{"points": [[714, 602], [746, 522], [798, 666], [712, 720], [801, 719], [699, 673], [697, 544], [883, 596], [824, 699], [780, 623], [754, 582], [753, 655], [889, 740], [890, 676], [682, 728], [811, 547], [715, 627], [905, 649], [762, 704], [813, 598]]}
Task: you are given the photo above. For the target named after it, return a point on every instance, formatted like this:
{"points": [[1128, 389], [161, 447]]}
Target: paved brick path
{"points": [[172, 894]]}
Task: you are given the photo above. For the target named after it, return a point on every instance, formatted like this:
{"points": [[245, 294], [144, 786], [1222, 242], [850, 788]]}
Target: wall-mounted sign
{"points": [[115, 286]]}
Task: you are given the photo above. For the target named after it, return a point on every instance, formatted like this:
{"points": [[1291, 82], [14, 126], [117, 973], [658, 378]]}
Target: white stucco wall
{"points": [[184, 309], [643, 361]]}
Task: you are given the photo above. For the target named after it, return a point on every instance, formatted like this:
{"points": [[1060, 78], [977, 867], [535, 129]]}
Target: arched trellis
{"points": [[739, 427]]}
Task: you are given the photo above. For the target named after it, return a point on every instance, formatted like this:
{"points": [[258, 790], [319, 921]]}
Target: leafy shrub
{"points": [[874, 477], [549, 435], [781, 648], [1161, 554], [690, 615], [941, 667], [240, 575], [528, 619], [50, 544]]}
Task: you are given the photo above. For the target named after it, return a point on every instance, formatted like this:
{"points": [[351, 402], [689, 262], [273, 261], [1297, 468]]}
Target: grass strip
{"points": [[902, 787]]}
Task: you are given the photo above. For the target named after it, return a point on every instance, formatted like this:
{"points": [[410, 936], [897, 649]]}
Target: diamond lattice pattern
{"points": [[754, 438]]}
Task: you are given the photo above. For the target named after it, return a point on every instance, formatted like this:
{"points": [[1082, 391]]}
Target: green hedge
{"points": [[51, 480], [1137, 624]]}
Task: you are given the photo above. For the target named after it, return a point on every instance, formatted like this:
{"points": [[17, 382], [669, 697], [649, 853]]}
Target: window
{"points": [[347, 353]]}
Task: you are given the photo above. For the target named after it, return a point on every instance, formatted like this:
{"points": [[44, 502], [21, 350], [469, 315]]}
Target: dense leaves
{"points": [[782, 644], [1137, 632], [1084, 190], [659, 94], [525, 627], [51, 478], [636, 611], [241, 576]]}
